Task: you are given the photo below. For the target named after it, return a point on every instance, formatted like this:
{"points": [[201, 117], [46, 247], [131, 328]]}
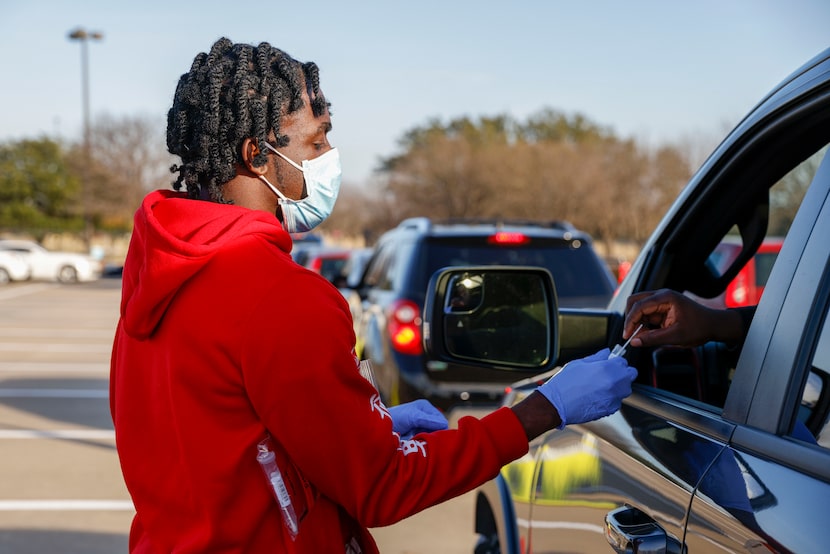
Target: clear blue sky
{"points": [[652, 70]]}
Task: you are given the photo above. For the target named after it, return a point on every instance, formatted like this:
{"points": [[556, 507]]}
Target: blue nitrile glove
{"points": [[590, 388], [418, 416]]}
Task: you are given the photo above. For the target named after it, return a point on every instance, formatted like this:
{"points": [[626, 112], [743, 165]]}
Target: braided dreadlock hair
{"points": [[237, 91]]}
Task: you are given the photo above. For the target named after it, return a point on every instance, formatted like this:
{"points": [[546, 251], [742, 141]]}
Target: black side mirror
{"points": [[504, 316]]}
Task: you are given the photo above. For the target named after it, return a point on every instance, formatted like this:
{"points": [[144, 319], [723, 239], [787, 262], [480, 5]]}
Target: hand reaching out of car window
{"points": [[671, 318]]}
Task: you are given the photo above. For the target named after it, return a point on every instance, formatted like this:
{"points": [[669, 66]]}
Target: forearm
{"points": [[536, 415], [729, 326]]}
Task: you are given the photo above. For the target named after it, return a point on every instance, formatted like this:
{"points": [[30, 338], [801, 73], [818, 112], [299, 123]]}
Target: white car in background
{"points": [[50, 265], [12, 268]]}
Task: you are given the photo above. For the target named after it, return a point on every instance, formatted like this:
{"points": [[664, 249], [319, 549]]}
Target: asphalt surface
{"points": [[61, 488]]}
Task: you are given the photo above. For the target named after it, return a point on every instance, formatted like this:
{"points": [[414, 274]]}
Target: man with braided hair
{"points": [[230, 359]]}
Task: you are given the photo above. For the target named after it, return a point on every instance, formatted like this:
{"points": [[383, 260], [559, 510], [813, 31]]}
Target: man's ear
{"points": [[250, 151]]}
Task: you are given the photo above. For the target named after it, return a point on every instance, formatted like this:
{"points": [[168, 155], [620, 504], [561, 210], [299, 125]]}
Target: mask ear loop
{"points": [[274, 189], [287, 215], [284, 157]]}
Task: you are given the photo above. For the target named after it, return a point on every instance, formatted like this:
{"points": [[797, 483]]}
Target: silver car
{"points": [[12, 268], [50, 265]]}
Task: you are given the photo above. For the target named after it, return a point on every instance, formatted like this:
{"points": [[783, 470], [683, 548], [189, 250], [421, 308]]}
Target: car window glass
{"points": [[377, 266], [330, 268], [785, 197], [354, 267], [704, 374], [580, 278], [387, 274], [814, 410], [397, 271]]}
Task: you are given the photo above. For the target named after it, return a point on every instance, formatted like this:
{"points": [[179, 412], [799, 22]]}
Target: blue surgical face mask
{"points": [[322, 182]]}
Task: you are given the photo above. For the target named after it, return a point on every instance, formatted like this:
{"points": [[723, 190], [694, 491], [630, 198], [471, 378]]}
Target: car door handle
{"points": [[630, 531]]}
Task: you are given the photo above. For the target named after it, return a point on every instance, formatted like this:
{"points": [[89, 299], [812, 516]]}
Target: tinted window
{"points": [[330, 268], [707, 378], [814, 410], [581, 279]]}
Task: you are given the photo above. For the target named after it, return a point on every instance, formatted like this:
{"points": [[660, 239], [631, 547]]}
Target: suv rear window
{"points": [[581, 279]]}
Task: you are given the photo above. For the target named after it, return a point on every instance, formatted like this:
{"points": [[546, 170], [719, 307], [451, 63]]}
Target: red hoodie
{"points": [[224, 340]]}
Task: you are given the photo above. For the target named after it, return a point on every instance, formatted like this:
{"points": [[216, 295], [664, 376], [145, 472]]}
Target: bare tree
{"points": [[129, 158], [551, 167]]}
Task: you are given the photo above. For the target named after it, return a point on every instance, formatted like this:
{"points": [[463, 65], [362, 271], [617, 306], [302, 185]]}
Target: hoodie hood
{"points": [[173, 239]]}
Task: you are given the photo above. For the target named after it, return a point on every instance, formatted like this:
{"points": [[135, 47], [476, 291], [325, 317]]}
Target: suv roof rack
{"points": [[424, 223], [416, 223], [552, 224]]}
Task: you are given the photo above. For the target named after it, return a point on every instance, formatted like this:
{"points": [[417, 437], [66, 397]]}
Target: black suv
{"points": [[719, 448], [394, 283]]}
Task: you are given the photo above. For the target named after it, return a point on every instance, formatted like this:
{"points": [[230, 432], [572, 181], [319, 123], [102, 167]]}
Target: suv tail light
{"points": [[504, 237], [316, 265], [404, 325]]}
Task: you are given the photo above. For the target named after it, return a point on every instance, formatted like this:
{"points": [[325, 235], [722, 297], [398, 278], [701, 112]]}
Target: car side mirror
{"points": [[505, 316]]}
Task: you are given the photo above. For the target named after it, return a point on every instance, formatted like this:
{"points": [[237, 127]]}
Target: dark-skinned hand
{"points": [[670, 318]]}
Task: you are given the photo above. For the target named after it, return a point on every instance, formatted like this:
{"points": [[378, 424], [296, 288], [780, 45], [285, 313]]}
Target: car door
{"points": [[373, 287], [772, 485], [654, 475], [40, 267], [639, 457], [383, 286]]}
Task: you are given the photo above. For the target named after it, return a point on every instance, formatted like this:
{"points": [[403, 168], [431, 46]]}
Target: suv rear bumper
{"points": [[446, 396]]}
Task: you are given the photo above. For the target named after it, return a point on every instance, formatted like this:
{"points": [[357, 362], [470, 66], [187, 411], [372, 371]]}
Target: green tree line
{"points": [[48, 185], [549, 166], [38, 189]]}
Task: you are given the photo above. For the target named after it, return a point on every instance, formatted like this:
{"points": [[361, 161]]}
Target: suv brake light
{"points": [[504, 237], [404, 327]]}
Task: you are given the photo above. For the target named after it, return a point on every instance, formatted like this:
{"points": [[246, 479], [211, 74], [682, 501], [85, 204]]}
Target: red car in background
{"points": [[748, 285], [328, 262]]}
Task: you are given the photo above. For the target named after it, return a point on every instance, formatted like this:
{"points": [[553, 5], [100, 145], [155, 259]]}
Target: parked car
{"points": [[350, 274], [391, 295], [303, 245], [49, 265], [720, 448], [352, 271], [747, 286], [327, 261], [12, 268]]}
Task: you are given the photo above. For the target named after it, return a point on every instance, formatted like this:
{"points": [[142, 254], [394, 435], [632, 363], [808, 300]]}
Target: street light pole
{"points": [[84, 37]]}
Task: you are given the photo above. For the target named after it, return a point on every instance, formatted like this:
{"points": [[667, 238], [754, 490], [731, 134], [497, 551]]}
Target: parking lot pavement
{"points": [[62, 489], [446, 528]]}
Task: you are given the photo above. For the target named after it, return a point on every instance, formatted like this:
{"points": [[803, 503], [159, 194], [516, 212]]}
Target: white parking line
{"points": [[66, 505], [54, 393], [23, 290], [103, 333], [54, 367], [53, 347], [68, 434]]}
